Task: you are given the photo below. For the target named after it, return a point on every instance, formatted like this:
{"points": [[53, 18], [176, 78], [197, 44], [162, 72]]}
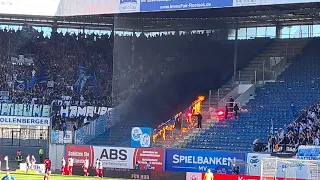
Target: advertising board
{"points": [[79, 154], [141, 137], [172, 5], [40, 168], [117, 157], [183, 160], [114, 157], [154, 156], [25, 121], [234, 177], [253, 163]]}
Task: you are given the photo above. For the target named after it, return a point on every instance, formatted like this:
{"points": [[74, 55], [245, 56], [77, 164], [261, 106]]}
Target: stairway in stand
{"points": [[284, 49]]}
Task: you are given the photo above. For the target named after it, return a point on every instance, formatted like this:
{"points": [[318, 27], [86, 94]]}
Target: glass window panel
{"points": [[242, 33], [4, 27], [261, 31], [304, 31], [316, 30], [295, 31], [285, 32], [271, 32], [231, 34], [251, 33]]}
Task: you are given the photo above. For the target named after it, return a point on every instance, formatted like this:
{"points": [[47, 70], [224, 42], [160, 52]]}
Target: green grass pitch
{"points": [[53, 177]]}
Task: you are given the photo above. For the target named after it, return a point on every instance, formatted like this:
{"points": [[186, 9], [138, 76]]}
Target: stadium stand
{"points": [[176, 63], [275, 105], [46, 55]]}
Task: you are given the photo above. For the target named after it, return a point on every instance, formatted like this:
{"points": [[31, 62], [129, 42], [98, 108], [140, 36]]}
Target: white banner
{"points": [[28, 110], [254, 162], [38, 167], [114, 157], [85, 111], [25, 121]]}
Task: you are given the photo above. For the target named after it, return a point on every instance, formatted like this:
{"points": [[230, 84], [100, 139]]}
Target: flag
{"points": [[20, 85], [32, 82], [82, 79], [42, 76]]}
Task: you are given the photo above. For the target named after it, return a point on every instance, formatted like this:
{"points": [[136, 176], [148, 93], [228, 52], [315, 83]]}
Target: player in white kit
{"points": [[63, 165], [70, 165]]}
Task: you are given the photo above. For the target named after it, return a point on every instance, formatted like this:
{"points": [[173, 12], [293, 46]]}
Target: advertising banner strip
{"points": [[254, 162], [117, 157], [79, 154], [154, 156], [141, 137], [171, 5], [182, 160], [25, 121]]}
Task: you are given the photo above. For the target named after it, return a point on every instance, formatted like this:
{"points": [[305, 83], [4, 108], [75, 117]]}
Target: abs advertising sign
{"points": [[116, 157], [181, 160], [141, 137]]}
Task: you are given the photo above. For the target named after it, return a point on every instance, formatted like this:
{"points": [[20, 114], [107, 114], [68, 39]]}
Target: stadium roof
{"points": [[289, 14]]}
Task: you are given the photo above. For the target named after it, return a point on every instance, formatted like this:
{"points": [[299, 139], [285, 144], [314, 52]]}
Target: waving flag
{"points": [[82, 79], [20, 85]]}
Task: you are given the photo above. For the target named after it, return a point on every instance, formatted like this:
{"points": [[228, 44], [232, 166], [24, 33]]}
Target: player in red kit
{"points": [[47, 176], [47, 164], [85, 167]]}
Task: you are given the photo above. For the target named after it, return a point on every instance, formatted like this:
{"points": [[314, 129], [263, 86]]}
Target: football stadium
{"points": [[160, 89]]}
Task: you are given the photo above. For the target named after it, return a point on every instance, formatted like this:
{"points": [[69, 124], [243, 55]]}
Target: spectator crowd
{"points": [[305, 130], [39, 69]]}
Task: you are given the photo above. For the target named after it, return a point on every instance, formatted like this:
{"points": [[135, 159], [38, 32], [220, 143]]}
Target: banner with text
{"points": [[154, 156], [172, 5], [117, 157], [82, 111], [25, 121], [183, 160], [27, 110]]}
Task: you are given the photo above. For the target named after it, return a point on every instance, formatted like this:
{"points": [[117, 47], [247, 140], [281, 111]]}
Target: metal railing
{"points": [[23, 136]]}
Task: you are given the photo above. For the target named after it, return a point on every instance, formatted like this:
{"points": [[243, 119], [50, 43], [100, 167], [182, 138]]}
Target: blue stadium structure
{"points": [[271, 109]]}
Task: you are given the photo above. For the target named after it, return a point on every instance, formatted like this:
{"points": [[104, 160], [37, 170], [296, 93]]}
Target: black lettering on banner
{"points": [[104, 154], [123, 154], [114, 154]]}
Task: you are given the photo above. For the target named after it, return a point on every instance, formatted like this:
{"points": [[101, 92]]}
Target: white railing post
{"points": [[239, 77]]}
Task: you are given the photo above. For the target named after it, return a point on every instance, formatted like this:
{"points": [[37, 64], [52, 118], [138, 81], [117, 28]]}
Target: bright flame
{"points": [[220, 113]]}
